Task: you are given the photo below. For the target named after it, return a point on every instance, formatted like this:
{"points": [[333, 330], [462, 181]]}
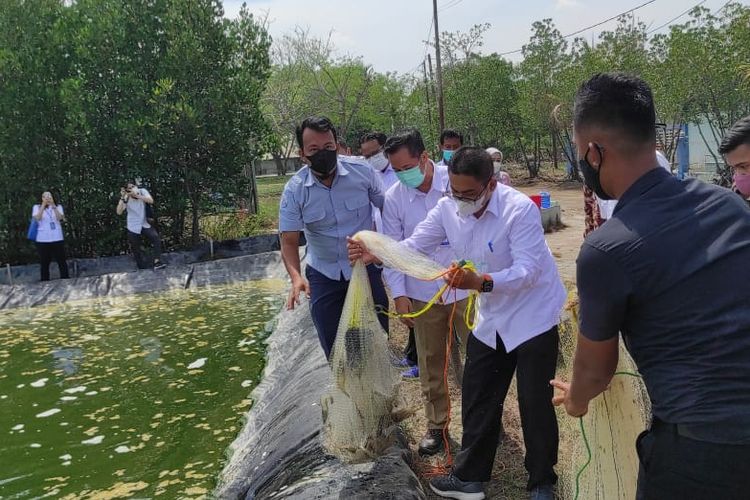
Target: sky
{"points": [[390, 34]]}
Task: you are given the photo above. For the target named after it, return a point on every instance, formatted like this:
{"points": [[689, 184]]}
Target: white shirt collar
{"points": [[439, 185]]}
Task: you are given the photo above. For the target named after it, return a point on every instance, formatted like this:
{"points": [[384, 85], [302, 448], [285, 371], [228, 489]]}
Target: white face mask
{"points": [[498, 166], [467, 208], [379, 162]]}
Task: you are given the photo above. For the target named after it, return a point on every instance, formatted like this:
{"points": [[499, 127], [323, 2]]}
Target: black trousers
{"points": [[410, 353], [675, 466], [487, 376], [135, 245], [49, 252], [327, 298]]}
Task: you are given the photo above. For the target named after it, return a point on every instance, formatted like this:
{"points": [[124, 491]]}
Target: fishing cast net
{"points": [[363, 403], [608, 430]]}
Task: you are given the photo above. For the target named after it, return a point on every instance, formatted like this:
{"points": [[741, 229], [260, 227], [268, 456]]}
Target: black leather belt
{"points": [[716, 433]]}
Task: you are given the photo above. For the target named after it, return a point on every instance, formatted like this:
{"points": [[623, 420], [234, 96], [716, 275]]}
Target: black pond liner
{"points": [[279, 452], [82, 268]]}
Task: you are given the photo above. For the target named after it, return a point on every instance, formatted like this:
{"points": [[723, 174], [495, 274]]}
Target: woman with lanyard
{"points": [[49, 236]]}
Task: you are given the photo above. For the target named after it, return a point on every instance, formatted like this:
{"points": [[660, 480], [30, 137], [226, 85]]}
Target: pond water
{"points": [[136, 396]]}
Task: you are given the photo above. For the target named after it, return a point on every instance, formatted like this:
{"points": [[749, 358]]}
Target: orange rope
{"points": [[442, 470]]}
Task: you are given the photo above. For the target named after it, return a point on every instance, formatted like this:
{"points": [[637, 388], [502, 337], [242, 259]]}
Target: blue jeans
{"points": [[327, 302]]}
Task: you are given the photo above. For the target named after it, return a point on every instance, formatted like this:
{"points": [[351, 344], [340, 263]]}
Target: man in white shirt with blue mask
{"points": [[421, 186], [450, 141], [371, 147], [499, 229]]}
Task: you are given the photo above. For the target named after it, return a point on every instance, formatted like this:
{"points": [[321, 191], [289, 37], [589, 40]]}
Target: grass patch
{"points": [[239, 224], [234, 225], [269, 195]]}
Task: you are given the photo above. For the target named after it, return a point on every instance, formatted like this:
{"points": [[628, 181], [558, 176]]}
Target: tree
{"points": [[308, 79], [705, 56], [99, 91], [545, 57]]}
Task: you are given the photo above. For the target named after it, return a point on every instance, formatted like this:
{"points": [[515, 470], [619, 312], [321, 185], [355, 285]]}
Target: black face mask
{"points": [[323, 163], [591, 176]]}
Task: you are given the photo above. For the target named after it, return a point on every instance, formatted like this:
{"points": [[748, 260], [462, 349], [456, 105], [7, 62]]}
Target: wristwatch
{"points": [[487, 284]]}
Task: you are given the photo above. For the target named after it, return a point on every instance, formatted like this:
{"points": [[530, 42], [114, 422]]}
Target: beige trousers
{"points": [[431, 334]]}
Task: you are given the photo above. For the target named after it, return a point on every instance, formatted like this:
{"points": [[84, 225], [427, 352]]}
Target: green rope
{"points": [[588, 459], [586, 441], [632, 374]]}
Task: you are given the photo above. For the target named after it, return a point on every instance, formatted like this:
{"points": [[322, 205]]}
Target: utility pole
{"points": [[439, 67], [427, 92], [432, 85]]}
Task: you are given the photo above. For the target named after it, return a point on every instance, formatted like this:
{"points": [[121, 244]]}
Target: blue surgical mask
{"points": [[411, 178], [447, 155]]}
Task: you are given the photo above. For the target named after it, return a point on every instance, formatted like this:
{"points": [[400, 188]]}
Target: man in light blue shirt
{"points": [[329, 199]]}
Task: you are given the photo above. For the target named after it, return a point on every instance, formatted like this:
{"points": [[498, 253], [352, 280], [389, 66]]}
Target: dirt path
{"points": [[509, 476]]}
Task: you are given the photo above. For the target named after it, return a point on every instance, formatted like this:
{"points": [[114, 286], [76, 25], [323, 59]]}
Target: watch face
{"points": [[487, 285]]}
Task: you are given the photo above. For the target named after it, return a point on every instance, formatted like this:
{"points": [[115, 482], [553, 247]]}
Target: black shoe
{"points": [[543, 492], [452, 487], [432, 442]]}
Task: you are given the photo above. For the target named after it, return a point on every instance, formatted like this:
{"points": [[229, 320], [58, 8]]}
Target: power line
{"points": [[427, 38], [610, 19], [589, 27], [676, 17], [452, 4]]}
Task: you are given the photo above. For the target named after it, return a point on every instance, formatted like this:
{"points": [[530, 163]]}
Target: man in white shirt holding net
{"points": [[498, 229]]}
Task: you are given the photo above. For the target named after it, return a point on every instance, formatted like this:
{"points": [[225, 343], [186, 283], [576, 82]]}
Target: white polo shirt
{"points": [[403, 210], [507, 242]]}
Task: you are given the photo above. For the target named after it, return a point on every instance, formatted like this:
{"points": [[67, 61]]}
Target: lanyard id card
{"points": [[51, 215]]}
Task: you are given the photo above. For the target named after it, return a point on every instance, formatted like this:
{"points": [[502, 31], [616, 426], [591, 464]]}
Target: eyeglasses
{"points": [[456, 197]]}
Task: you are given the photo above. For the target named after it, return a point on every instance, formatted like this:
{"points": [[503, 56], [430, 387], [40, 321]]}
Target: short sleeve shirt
{"points": [[670, 271], [329, 215], [49, 229], [136, 209]]}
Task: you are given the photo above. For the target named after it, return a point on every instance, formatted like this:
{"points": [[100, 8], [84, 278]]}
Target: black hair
{"points": [[736, 136], [473, 161], [373, 136], [409, 138], [449, 133], [318, 124], [617, 101]]}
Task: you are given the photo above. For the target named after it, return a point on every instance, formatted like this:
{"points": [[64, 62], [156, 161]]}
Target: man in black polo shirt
{"points": [[670, 271]]}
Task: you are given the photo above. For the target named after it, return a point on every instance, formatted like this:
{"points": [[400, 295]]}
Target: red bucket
{"points": [[537, 199]]}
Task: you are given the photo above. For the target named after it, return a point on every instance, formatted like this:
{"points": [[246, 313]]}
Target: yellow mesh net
{"points": [[363, 402], [611, 426]]}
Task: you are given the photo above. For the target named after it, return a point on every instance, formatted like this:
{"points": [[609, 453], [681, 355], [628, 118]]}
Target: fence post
{"points": [[254, 187], [683, 152], [10, 275]]}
